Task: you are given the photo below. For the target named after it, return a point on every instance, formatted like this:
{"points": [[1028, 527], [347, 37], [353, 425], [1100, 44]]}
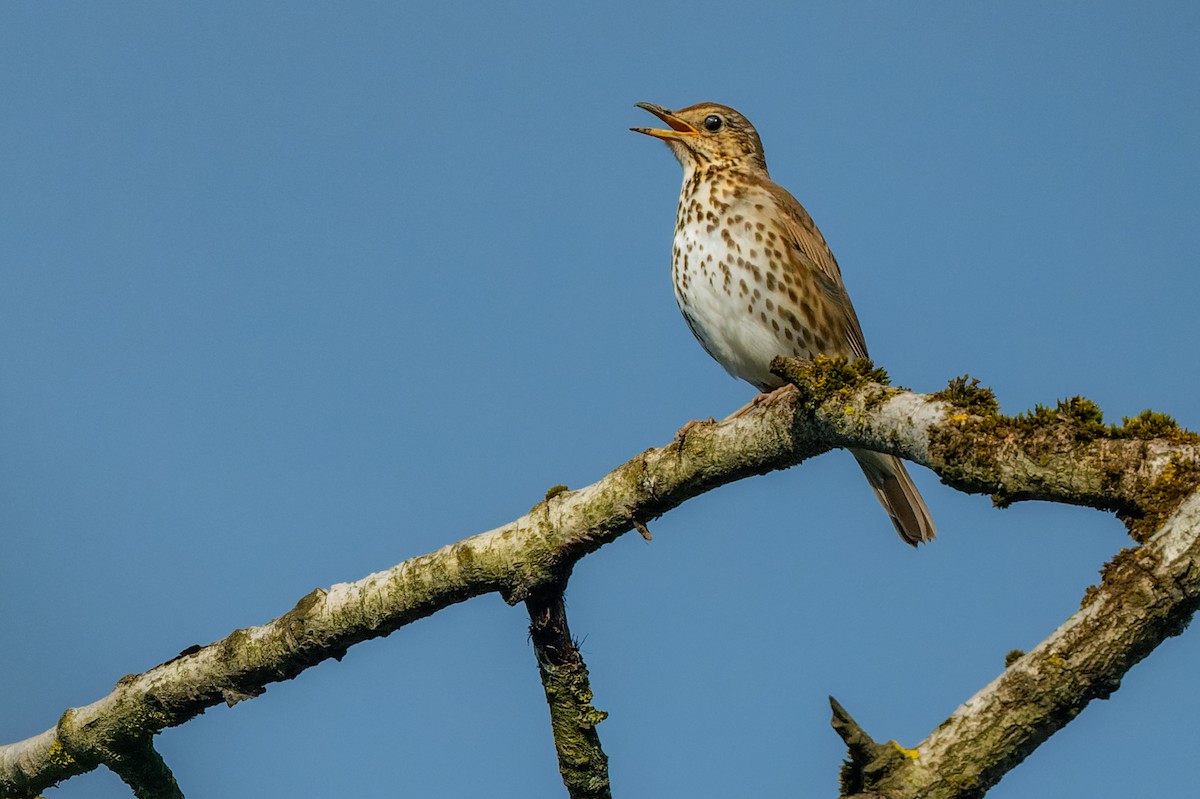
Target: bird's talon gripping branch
{"points": [[759, 399], [682, 432]]}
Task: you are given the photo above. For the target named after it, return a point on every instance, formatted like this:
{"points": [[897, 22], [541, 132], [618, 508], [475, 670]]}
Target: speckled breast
{"points": [[734, 281]]}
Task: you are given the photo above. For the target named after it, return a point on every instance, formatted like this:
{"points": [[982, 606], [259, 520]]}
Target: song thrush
{"points": [[754, 277]]}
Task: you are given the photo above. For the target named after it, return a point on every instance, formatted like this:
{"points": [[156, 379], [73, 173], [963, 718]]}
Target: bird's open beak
{"points": [[679, 128]]}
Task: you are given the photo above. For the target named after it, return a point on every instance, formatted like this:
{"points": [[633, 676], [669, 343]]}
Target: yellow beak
{"points": [[679, 128]]}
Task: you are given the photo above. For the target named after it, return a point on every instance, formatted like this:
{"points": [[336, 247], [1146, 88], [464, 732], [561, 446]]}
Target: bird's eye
{"points": [[713, 123]]}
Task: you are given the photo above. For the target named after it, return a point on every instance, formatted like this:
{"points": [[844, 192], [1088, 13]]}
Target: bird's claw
{"points": [[682, 432]]}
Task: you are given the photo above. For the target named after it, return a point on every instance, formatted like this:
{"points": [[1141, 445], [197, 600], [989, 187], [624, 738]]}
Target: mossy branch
{"points": [[573, 719], [1147, 594], [1145, 469], [515, 560], [146, 774], [1142, 469], [864, 757]]}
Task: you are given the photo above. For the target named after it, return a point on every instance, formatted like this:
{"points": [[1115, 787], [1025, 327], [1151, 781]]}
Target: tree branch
{"points": [[1147, 595], [583, 764], [531, 552], [1144, 469]]}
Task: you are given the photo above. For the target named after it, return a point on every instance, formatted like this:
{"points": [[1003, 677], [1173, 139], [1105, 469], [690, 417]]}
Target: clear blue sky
{"points": [[292, 292]]}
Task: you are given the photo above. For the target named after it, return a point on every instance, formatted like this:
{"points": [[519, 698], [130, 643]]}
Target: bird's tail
{"points": [[898, 495]]}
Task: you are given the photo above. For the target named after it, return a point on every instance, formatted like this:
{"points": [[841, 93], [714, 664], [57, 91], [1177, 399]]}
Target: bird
{"points": [[755, 278]]}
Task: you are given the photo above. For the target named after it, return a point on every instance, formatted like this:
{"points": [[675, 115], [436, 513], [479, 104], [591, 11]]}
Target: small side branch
{"points": [[583, 764], [862, 750], [147, 774], [127, 750]]}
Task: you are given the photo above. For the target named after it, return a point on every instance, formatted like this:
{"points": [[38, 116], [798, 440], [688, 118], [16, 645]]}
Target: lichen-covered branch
{"points": [[865, 759], [515, 560], [1147, 594], [573, 720], [146, 774], [1147, 469], [1143, 469]]}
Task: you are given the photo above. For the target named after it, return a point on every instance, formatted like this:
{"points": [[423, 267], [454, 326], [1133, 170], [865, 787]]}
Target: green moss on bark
{"points": [[966, 393], [1178, 480]]}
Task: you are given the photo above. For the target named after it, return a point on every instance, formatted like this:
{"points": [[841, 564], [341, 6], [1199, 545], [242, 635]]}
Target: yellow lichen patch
{"points": [[911, 754], [59, 754], [1179, 478]]}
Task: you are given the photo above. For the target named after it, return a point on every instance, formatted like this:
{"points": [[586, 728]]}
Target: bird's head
{"points": [[708, 136]]}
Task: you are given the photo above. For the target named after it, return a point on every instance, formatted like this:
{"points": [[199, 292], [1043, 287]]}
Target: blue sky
{"points": [[292, 292]]}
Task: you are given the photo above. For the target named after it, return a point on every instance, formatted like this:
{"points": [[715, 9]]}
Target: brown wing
{"points": [[811, 247]]}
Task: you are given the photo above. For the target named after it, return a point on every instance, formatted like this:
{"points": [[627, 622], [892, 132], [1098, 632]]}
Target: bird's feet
{"points": [[682, 432], [759, 399]]}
